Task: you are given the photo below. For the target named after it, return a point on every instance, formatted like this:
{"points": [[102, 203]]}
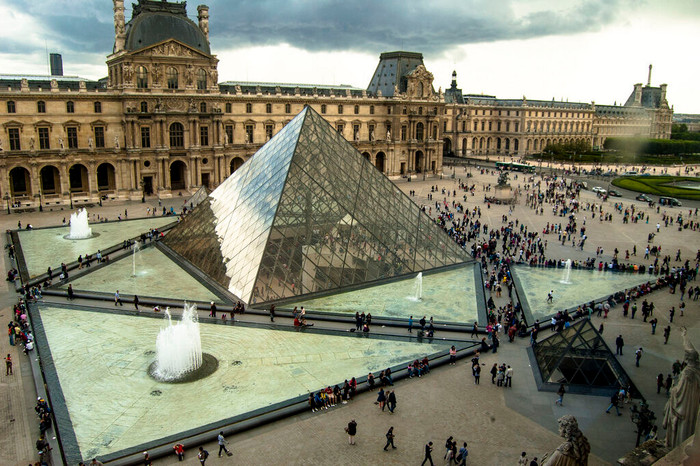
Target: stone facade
{"points": [[160, 123]]}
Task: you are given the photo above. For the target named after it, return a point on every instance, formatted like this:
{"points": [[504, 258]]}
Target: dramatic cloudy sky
{"points": [[580, 50]]}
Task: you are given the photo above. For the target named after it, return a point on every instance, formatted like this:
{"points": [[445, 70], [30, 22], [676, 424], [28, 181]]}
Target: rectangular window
{"points": [[371, 132], [70, 107], [476, 125], [355, 132], [44, 138], [228, 108], [249, 108], [499, 126], [483, 126], [444, 126], [99, 136], [507, 126], [404, 130], [268, 108], [323, 108], [229, 134], [72, 136], [340, 109], [249, 134], [13, 134], [516, 126], [268, 132], [11, 106], [490, 125], [287, 108], [340, 128], [98, 107], [145, 137], [203, 135]]}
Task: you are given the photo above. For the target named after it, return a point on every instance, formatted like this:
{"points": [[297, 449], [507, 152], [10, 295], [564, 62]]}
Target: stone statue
{"points": [[388, 135], [60, 143], [396, 90], [214, 76], [681, 412], [189, 73], [159, 105], [503, 180], [238, 89], [193, 106], [128, 72], [31, 143], [90, 142], [574, 451], [371, 135], [116, 142], [156, 73]]}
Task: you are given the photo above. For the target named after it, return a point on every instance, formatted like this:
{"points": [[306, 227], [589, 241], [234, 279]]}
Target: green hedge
{"points": [[659, 185]]}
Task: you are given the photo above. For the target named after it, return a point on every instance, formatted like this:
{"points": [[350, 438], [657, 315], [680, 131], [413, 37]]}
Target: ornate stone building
{"points": [[160, 122]]}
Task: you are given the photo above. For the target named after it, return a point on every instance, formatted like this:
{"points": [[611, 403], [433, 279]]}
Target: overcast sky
{"points": [[580, 50]]}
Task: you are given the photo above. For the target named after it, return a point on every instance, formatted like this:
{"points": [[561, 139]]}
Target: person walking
{"points": [[522, 460], [619, 343], [509, 377], [390, 439], [136, 302], [494, 372], [202, 455], [453, 355], [410, 324], [428, 456], [638, 356], [667, 333], [272, 313], [475, 331], [8, 364], [653, 323], [117, 299], [391, 401], [614, 401], [659, 383], [222, 444], [212, 309], [351, 429], [477, 373], [179, 451], [560, 392], [462, 456]]}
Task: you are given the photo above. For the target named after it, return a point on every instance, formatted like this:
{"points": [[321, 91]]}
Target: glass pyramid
{"points": [[308, 213], [578, 355]]}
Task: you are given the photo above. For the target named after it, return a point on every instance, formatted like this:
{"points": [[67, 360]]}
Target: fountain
{"points": [[417, 288], [566, 274], [179, 356], [79, 228], [133, 259]]}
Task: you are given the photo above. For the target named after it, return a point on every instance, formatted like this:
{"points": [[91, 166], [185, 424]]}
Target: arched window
{"points": [[171, 76], [41, 106], [177, 135], [203, 107], [70, 107], [201, 79], [144, 107], [419, 131], [141, 77]]}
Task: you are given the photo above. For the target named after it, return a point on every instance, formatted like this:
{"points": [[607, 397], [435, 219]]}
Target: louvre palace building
{"points": [[161, 123]]}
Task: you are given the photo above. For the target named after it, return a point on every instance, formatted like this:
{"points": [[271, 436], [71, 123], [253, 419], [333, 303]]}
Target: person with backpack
{"points": [[614, 401], [461, 459], [390, 439], [222, 444], [202, 455]]}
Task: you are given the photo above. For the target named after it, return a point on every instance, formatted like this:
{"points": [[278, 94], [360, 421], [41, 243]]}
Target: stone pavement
{"points": [[498, 424]]}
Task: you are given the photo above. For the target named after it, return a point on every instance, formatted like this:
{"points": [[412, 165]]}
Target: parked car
{"points": [[614, 193], [672, 201], [643, 197], [598, 190]]}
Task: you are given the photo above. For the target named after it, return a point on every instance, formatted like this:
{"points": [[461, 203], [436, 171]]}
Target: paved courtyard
{"points": [[497, 423]]}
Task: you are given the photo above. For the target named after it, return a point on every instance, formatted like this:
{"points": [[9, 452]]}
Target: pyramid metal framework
{"points": [[578, 355], [308, 213]]}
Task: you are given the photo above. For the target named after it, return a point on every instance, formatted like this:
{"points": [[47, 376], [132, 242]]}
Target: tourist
{"points": [[351, 430], [272, 313], [202, 455], [428, 456], [653, 323], [619, 343], [179, 451], [147, 459], [390, 439], [614, 402], [136, 302], [522, 460], [667, 333], [462, 455], [222, 444], [391, 401], [638, 356], [659, 383], [117, 299], [370, 381], [448, 447], [381, 398], [8, 365], [95, 462], [410, 324], [509, 377], [453, 355], [212, 310], [560, 392]]}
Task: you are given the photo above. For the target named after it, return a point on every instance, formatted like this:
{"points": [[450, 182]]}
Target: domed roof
{"points": [[153, 22]]}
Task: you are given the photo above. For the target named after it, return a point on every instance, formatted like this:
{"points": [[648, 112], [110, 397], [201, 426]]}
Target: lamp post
{"points": [[41, 204], [7, 199], [70, 195]]}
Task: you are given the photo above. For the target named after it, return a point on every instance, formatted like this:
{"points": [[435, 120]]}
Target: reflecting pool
{"points": [[47, 247], [534, 283], [151, 266], [101, 361], [448, 296]]}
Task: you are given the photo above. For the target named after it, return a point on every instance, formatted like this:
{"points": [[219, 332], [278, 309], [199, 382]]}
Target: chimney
{"points": [[649, 78], [203, 17], [638, 94], [663, 92], [119, 26], [56, 63]]}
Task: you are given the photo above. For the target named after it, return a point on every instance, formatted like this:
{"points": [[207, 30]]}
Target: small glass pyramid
{"points": [[308, 213]]}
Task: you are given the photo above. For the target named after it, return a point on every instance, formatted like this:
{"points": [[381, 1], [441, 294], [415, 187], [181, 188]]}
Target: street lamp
{"points": [[7, 199]]}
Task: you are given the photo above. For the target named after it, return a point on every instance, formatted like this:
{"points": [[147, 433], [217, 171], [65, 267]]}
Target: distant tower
{"points": [[649, 78], [454, 79], [56, 64], [119, 26], [203, 17]]}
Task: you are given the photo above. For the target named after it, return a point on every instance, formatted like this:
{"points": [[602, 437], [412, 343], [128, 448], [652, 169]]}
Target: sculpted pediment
{"points": [[421, 73], [170, 48]]}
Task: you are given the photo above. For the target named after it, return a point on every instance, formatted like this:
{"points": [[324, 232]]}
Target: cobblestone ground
{"points": [[498, 424]]}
